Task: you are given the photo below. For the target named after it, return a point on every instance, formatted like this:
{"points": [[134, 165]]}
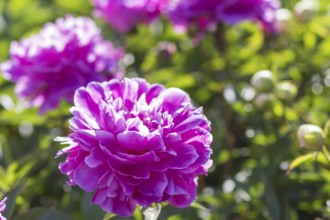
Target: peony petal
{"points": [[185, 155], [173, 137], [173, 99], [121, 166], [132, 140], [130, 89], [185, 199], [155, 185], [100, 196], [96, 90], [95, 158], [123, 208], [189, 123], [176, 186], [105, 138], [144, 200], [86, 177], [153, 92], [84, 101]]}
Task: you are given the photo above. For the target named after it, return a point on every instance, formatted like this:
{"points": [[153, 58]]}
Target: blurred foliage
{"points": [[254, 138]]}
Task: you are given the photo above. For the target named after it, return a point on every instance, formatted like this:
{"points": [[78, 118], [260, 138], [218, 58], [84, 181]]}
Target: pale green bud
{"points": [[286, 91], [263, 81], [310, 136]]}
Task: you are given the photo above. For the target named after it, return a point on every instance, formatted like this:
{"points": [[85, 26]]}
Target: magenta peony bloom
{"points": [[184, 13], [2, 208], [65, 55], [207, 12], [124, 15], [136, 144]]}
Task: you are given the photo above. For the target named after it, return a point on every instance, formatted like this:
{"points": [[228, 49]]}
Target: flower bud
{"points": [[283, 17], [310, 136], [286, 91], [263, 81], [263, 101], [305, 9]]}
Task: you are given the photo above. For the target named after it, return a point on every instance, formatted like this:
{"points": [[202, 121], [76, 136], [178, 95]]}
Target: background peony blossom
{"points": [[207, 12], [136, 144], [2, 208], [65, 55], [184, 13], [124, 15]]}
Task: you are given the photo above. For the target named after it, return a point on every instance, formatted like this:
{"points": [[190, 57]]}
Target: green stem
{"points": [[326, 153], [5, 15], [109, 216]]}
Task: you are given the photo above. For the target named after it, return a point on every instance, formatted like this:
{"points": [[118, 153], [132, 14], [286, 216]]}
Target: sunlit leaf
{"points": [[300, 160], [11, 200], [109, 216], [197, 205]]}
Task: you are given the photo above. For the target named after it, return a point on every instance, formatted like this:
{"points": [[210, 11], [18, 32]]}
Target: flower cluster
{"points": [[2, 208], [204, 13], [124, 15], [136, 144], [65, 55]]}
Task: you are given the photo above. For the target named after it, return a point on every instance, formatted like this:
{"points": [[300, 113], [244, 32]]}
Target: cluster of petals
{"points": [[2, 208], [135, 143], [124, 15], [50, 65], [205, 13]]}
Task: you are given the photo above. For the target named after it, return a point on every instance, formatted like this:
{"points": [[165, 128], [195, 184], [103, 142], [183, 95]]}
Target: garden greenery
{"points": [[164, 109]]}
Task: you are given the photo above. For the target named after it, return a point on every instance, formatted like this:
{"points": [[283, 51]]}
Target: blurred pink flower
{"points": [[2, 207], [49, 66], [124, 15], [204, 13]]}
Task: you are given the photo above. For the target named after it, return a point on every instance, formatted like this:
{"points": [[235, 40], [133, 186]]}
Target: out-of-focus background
{"points": [[254, 133]]}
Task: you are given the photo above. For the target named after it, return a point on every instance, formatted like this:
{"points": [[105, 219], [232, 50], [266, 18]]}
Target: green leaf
{"points": [[74, 5], [300, 160], [27, 115], [137, 213], [90, 211], [109, 216], [309, 40], [41, 213], [271, 198], [197, 205], [326, 131], [11, 200]]}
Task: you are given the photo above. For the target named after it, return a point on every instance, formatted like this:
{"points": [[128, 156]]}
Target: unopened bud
{"points": [[305, 9], [263, 101], [310, 136], [283, 17], [263, 81], [286, 91]]}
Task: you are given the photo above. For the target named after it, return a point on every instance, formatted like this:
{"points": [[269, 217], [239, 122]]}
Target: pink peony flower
{"points": [[136, 144], [185, 13], [207, 12], [2, 207], [124, 15], [65, 55]]}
